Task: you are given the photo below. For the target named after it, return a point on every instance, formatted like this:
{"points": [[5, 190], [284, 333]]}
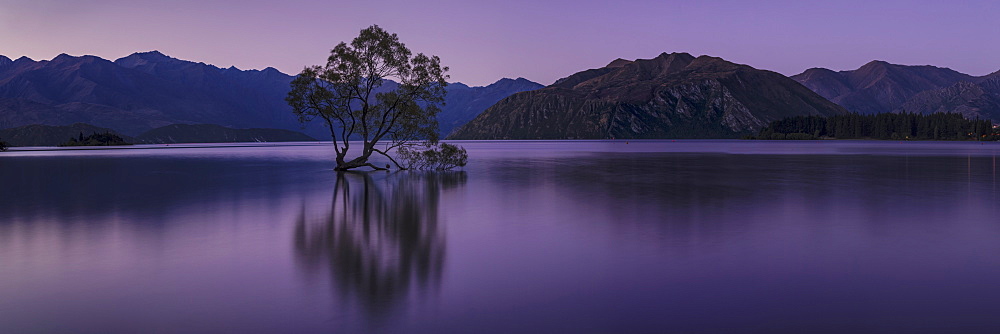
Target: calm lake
{"points": [[533, 236]]}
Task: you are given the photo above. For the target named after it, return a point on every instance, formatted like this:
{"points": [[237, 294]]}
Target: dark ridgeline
{"points": [[671, 96], [147, 90], [378, 240], [901, 126]]}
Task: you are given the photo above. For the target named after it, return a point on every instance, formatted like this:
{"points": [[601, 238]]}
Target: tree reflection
{"points": [[379, 238]]}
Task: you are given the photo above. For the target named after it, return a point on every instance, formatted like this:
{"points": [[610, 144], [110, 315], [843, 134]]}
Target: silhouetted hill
{"points": [[211, 133], [670, 96], [878, 86]]}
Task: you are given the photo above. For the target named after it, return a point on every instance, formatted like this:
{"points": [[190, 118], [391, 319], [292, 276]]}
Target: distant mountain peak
{"points": [[618, 63], [143, 58], [4, 60], [817, 71], [519, 79], [672, 59], [522, 84], [63, 57], [876, 63], [22, 59], [152, 54], [676, 54]]}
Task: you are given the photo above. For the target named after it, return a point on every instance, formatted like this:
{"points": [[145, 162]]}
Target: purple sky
{"points": [[483, 41]]}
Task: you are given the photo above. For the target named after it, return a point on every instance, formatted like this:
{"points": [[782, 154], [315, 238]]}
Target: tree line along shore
{"points": [[886, 126]]}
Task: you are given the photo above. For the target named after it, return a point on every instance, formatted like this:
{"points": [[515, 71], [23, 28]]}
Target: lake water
{"points": [[535, 236]]}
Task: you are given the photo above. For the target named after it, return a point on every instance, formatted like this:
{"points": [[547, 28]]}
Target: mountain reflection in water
{"points": [[378, 239]]}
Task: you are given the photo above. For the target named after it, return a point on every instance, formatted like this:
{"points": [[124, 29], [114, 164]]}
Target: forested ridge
{"points": [[887, 126]]}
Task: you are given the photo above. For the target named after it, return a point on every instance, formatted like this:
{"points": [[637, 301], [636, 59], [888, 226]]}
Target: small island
{"points": [[97, 139]]}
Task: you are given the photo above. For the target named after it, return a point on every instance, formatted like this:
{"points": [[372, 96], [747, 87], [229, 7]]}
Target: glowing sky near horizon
{"points": [[483, 41]]}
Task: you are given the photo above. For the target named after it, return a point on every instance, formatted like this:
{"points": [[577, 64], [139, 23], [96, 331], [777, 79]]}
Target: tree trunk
{"points": [[361, 161]]}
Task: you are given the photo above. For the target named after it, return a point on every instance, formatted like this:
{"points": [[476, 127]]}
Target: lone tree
{"points": [[353, 95]]}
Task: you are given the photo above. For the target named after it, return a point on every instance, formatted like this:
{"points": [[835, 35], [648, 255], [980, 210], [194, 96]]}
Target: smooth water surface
{"points": [[533, 236]]}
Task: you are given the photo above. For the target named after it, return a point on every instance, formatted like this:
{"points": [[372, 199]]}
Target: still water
{"points": [[534, 236]]}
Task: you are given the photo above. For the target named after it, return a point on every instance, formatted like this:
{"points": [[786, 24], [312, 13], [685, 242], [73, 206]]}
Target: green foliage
{"points": [[347, 94], [437, 157], [97, 139], [889, 126]]}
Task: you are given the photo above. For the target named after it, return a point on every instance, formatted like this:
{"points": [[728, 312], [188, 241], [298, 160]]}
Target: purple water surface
{"points": [[532, 236]]}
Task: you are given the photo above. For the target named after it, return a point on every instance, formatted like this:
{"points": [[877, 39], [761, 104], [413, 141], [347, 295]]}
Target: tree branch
{"points": [[390, 158]]}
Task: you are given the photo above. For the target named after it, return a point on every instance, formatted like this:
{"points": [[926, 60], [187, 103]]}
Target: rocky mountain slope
{"points": [[671, 96], [973, 99]]}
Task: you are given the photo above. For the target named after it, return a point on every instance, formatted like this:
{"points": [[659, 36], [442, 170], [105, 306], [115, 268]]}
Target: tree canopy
{"points": [[373, 90]]}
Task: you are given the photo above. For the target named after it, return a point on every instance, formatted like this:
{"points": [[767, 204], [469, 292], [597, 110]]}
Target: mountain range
{"points": [[880, 87], [673, 95], [148, 90]]}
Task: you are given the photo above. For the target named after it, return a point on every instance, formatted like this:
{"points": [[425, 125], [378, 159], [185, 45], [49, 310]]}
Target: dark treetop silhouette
{"points": [[347, 94]]}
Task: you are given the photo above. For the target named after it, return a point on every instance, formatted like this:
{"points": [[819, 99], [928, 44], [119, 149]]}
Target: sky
{"points": [[483, 41]]}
